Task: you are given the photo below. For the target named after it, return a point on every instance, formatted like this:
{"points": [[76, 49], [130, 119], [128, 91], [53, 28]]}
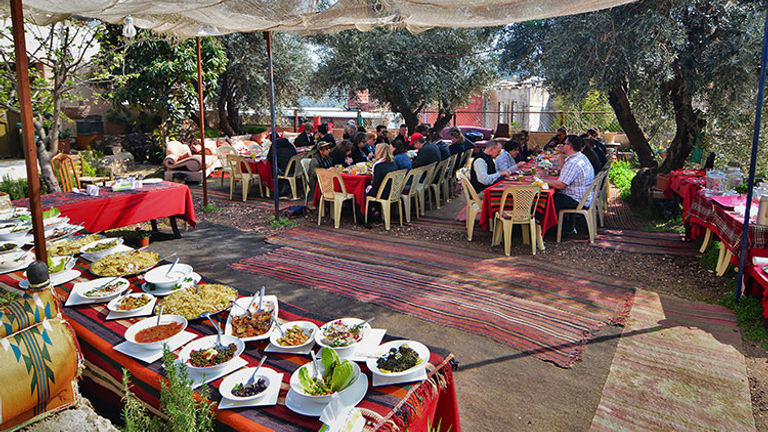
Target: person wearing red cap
{"points": [[428, 151]]}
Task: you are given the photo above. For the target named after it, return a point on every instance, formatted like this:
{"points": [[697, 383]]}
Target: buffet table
{"points": [[545, 207], [118, 209], [355, 184], [393, 407]]}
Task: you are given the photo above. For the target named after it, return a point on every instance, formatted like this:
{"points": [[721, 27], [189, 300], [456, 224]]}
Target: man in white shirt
{"points": [[484, 172], [576, 176], [505, 161]]}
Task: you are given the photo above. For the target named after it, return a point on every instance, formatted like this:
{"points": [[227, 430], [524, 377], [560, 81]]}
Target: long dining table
{"points": [[545, 214], [354, 184], [396, 407], [111, 210]]}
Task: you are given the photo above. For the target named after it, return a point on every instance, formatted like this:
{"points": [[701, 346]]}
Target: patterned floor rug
{"points": [[545, 311], [654, 243], [676, 368]]}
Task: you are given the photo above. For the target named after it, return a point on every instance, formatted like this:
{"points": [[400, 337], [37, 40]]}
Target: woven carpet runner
{"points": [[618, 214], [676, 369], [654, 243], [543, 310]]}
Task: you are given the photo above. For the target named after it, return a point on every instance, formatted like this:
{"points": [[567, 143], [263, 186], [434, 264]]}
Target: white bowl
{"points": [[115, 302], [130, 333], [383, 349], [8, 233], [157, 276], [16, 246], [8, 260], [320, 338], [241, 376], [209, 342], [306, 326], [97, 255], [55, 221], [298, 388], [69, 263]]}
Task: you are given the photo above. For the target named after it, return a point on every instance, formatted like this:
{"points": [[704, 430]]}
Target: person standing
{"points": [[402, 136]]}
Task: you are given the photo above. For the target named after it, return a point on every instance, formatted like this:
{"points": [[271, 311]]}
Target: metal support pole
{"points": [[201, 99], [276, 191], [752, 161], [27, 128]]}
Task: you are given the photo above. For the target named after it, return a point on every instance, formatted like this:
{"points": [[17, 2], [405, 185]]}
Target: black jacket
{"points": [[304, 140], [380, 170], [285, 151], [445, 152], [338, 158], [427, 154], [473, 175], [358, 155]]}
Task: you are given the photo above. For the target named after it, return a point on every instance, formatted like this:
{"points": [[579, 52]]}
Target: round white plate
{"points": [[112, 305], [152, 181], [305, 406], [382, 349], [164, 292], [84, 287], [365, 330], [305, 325], [60, 278], [242, 376], [237, 311]]}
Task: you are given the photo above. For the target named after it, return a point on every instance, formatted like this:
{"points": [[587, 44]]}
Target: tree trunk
{"points": [[411, 119], [619, 101], [688, 125], [44, 159], [221, 105], [443, 119], [233, 114]]}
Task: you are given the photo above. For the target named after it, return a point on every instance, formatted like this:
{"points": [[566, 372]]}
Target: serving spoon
{"points": [[274, 320], [219, 345], [170, 269], [159, 314], [313, 354], [252, 379]]}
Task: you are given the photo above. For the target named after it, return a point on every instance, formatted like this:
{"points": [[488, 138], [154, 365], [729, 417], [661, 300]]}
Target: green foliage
{"points": [[621, 176], [90, 160], [19, 188], [211, 208], [710, 256], [648, 221], [749, 315], [593, 110], [7, 297], [184, 412], [154, 74], [254, 129], [140, 233], [393, 67], [280, 222]]}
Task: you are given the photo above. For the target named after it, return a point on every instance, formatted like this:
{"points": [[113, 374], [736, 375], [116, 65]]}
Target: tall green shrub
{"points": [[621, 176]]}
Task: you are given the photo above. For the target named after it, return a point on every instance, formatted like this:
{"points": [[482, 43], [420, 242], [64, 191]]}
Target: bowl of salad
{"points": [[101, 248], [342, 334], [204, 355], [333, 376]]}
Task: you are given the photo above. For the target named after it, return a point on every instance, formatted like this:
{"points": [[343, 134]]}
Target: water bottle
{"points": [[762, 211]]}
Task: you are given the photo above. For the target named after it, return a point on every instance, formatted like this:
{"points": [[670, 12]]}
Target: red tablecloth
{"points": [[395, 407], [685, 183], [118, 209], [355, 185], [757, 283], [264, 169], [545, 207]]}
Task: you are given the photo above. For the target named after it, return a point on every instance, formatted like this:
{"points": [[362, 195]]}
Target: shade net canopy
{"points": [[184, 18]]}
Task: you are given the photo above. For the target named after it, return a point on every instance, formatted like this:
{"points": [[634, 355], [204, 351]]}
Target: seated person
{"points": [[321, 159], [360, 151], [381, 134], [506, 161], [285, 151], [350, 129], [599, 144], [459, 143], [324, 135], [576, 175], [590, 154], [484, 173], [305, 138], [525, 150], [427, 151], [402, 135], [434, 137], [402, 159], [385, 164], [556, 140], [595, 146], [341, 154]]}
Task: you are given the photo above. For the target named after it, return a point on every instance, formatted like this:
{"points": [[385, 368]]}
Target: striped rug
{"points": [[676, 368], [618, 214], [654, 243], [542, 310], [443, 224]]}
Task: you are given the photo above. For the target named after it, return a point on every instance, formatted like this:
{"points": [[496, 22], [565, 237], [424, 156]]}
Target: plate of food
{"points": [[71, 245], [203, 355], [342, 334], [15, 260], [103, 289], [125, 263], [333, 376], [252, 325], [298, 334], [15, 231], [398, 358], [10, 246], [130, 303], [153, 332], [193, 302], [100, 248], [243, 386], [187, 282]]}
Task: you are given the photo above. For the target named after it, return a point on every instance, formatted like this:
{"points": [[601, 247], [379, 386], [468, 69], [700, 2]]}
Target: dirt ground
{"points": [[529, 388]]}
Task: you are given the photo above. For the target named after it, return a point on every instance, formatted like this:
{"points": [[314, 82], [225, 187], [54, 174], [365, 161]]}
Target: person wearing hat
{"points": [[321, 159], [427, 151]]}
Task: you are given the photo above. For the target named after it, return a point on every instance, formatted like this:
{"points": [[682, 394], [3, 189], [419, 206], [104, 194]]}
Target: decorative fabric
{"points": [[355, 185], [546, 215], [40, 367], [30, 309]]}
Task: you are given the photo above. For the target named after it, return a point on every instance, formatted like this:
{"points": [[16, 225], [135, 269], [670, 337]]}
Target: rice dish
{"points": [[208, 298], [125, 263]]}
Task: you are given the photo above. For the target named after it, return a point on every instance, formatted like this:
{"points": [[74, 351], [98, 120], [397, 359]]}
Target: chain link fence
{"points": [[534, 121]]}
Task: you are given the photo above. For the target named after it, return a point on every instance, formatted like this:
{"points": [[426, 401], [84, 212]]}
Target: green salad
{"points": [[336, 377]]}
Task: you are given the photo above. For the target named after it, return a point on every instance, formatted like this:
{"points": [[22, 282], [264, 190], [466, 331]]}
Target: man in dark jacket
{"points": [[483, 173], [285, 151], [305, 138], [324, 135], [428, 152], [402, 137]]}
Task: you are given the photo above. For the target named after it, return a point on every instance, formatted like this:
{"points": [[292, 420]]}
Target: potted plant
{"points": [[143, 237]]}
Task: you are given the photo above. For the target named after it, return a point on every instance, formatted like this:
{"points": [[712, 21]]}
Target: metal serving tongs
{"points": [[219, 332]]}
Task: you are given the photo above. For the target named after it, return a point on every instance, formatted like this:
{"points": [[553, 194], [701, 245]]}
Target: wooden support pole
{"points": [[27, 128], [202, 119]]}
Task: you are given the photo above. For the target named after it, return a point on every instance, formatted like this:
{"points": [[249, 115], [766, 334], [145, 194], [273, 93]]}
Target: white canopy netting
{"points": [[184, 18]]}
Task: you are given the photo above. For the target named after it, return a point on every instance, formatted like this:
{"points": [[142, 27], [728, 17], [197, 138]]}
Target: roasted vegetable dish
{"points": [[131, 303], [251, 324], [294, 336], [211, 356], [398, 359]]}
